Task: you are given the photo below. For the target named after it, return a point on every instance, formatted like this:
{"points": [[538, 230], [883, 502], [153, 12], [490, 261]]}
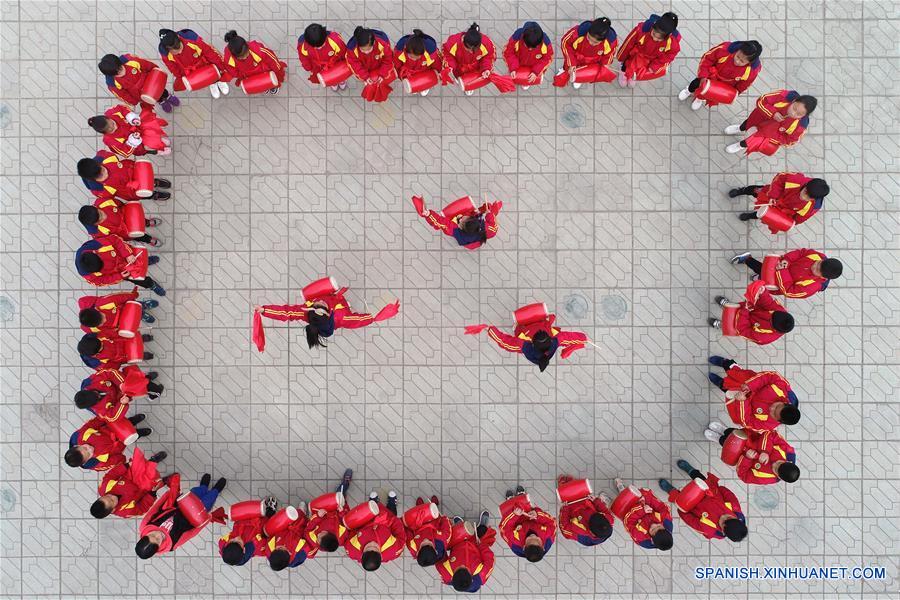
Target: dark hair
{"points": [[73, 457], [89, 345], [315, 34], [790, 415], [236, 44], [472, 37], [98, 123], [667, 23], [86, 398], [817, 188], [427, 556], [599, 28], [363, 36], [735, 530], [533, 553], [88, 215], [328, 542], [90, 262], [279, 559], [99, 510], [88, 168], [232, 553], [832, 268], [109, 65], [809, 102], [532, 35], [599, 525], [662, 540], [541, 341], [168, 39], [416, 42], [782, 321], [145, 548], [461, 580], [751, 49], [475, 226], [543, 363], [371, 560], [789, 472], [313, 339]]}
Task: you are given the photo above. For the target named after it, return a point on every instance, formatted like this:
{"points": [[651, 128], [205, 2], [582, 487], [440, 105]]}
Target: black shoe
{"points": [[684, 466], [158, 457], [151, 375], [220, 484], [509, 494], [161, 196], [147, 337], [721, 300], [135, 419], [148, 356], [735, 192], [162, 184], [270, 503], [520, 490], [204, 481], [144, 431], [484, 518], [747, 216], [152, 260]]}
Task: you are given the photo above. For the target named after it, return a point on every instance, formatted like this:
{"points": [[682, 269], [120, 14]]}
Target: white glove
{"points": [[133, 118], [134, 140]]}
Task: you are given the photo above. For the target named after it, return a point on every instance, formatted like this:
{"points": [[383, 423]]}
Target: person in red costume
{"points": [[470, 229], [176, 518], [470, 561], [588, 43], [379, 541], [125, 75], [757, 401], [107, 393], [537, 341], [529, 531], [587, 521], [320, 49], [415, 53], [106, 216], [100, 314], [765, 457], [108, 259], [795, 194], [96, 445], [760, 318], [734, 63], [247, 537], [108, 176], [470, 51], [289, 547], [324, 531], [129, 489], [779, 120], [528, 54], [323, 315], [100, 351], [718, 514], [127, 133], [244, 59], [184, 52], [799, 273], [371, 59], [427, 542], [649, 49], [648, 520]]}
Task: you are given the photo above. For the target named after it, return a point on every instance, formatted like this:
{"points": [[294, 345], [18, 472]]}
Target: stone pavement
{"points": [[615, 215]]}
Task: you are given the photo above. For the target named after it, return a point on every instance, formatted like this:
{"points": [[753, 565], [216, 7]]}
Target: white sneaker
{"points": [[623, 81], [717, 427], [734, 148], [223, 87], [696, 104], [301, 506], [425, 93], [342, 85], [733, 130], [711, 435], [214, 91], [577, 85], [525, 87], [620, 485], [632, 83], [373, 496], [684, 94], [604, 498], [470, 92]]}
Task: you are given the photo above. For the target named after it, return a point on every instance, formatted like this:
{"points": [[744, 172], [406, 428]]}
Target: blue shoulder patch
{"points": [[825, 284], [611, 36], [819, 203], [110, 81], [733, 47], [401, 43], [583, 27], [85, 383], [517, 34], [189, 34], [648, 24], [300, 39], [804, 122], [791, 95], [73, 439]]}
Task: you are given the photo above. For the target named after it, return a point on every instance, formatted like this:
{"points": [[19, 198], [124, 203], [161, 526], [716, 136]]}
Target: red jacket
{"points": [[796, 280], [386, 530], [518, 56], [113, 353], [344, 318], [315, 60], [785, 133], [109, 306], [117, 141], [437, 531], [195, 53], [118, 182], [569, 341], [717, 502], [430, 60], [108, 449], [128, 87], [294, 539], [260, 60], [331, 522], [450, 226], [251, 533], [766, 388], [574, 517], [718, 64], [166, 517], [784, 193], [134, 483], [474, 554], [754, 318], [640, 46], [577, 51], [462, 61], [515, 528], [377, 63], [115, 402], [113, 219], [638, 521], [757, 469], [115, 254]]}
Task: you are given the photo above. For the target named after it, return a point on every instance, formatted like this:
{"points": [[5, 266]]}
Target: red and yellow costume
{"points": [[795, 279], [331, 522], [166, 516], [120, 260], [127, 87], [754, 316], [765, 389], [771, 134], [259, 60], [514, 528], [645, 58], [574, 518], [119, 181], [521, 340], [472, 552], [716, 503], [756, 468], [461, 61], [519, 57], [638, 520], [108, 448], [718, 65], [431, 60], [577, 51], [783, 193], [386, 529], [370, 66], [134, 483], [436, 531], [150, 130], [315, 60], [115, 401], [295, 541], [252, 535], [195, 54], [109, 306], [450, 225]]}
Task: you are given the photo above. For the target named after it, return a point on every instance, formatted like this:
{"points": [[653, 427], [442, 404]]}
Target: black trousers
{"points": [[147, 283], [754, 265], [725, 435]]}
